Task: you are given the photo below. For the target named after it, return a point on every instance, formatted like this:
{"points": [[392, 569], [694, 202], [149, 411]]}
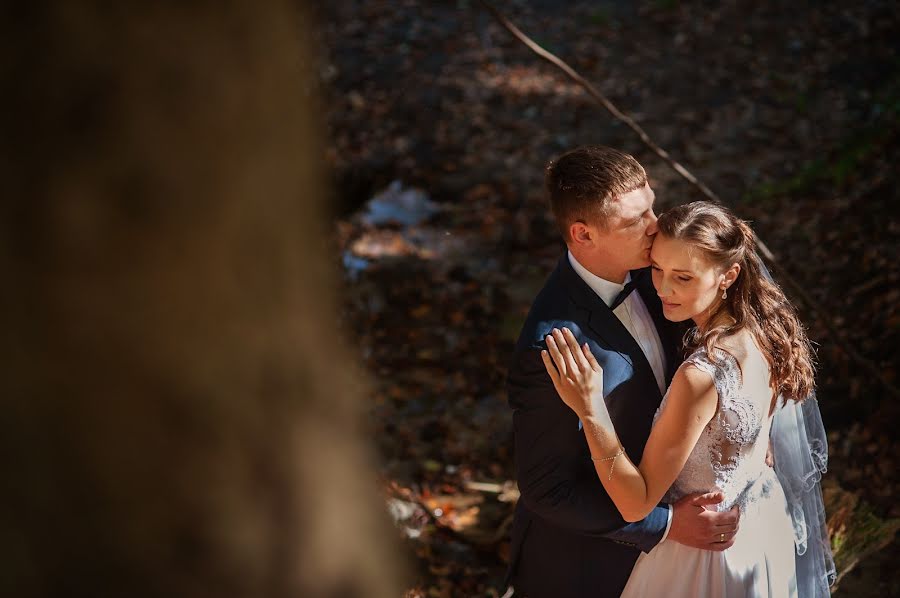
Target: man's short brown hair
{"points": [[583, 182]]}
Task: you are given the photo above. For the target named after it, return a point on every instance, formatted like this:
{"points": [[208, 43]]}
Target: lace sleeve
{"points": [[701, 361]]}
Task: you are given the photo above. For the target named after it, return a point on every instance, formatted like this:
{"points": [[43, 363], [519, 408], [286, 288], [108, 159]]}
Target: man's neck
{"points": [[602, 270]]}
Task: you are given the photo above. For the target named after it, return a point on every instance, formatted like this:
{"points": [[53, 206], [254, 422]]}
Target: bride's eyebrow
{"points": [[653, 263]]}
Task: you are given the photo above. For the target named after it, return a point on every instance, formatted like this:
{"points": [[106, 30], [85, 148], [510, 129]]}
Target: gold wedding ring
{"points": [[721, 537]]}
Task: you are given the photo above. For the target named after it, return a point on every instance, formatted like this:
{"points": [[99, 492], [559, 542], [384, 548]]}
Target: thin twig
{"points": [[600, 98], [814, 309]]}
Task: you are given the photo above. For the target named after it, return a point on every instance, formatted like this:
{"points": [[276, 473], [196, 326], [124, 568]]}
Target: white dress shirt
{"points": [[634, 316]]}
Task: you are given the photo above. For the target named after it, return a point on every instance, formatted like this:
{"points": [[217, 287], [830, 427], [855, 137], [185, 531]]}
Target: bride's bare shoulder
{"points": [[749, 357], [741, 345]]}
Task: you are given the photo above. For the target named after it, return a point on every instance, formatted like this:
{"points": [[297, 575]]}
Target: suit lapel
{"points": [[603, 322]]}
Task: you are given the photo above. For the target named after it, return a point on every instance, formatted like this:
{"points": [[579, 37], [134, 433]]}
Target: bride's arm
{"points": [[635, 490]]}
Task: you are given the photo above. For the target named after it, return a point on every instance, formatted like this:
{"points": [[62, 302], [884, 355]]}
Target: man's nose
{"points": [[652, 228]]}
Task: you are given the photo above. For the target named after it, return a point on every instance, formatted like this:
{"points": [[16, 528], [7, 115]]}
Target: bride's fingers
{"points": [[551, 369], [577, 354], [591, 359], [566, 352], [558, 360]]}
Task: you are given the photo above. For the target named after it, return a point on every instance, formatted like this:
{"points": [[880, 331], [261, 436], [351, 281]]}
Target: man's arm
{"points": [[556, 479]]}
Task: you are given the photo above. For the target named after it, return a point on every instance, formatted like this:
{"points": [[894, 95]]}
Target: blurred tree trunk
{"points": [[179, 418]]}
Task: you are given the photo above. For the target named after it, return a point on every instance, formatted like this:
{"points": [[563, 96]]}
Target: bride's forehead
{"points": [[669, 248], [675, 254]]}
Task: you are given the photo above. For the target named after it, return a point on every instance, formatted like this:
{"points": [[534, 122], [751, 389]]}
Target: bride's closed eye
{"points": [[681, 278]]}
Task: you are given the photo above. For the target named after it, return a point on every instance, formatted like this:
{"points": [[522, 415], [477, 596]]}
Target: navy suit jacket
{"points": [[568, 538]]}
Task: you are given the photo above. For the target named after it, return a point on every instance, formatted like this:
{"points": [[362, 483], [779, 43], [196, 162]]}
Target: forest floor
{"points": [[439, 127]]}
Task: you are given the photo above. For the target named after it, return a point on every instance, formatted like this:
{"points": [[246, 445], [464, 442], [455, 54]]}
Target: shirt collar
{"points": [[606, 290]]}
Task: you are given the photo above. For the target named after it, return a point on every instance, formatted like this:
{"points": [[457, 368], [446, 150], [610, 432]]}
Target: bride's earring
{"points": [[724, 292]]}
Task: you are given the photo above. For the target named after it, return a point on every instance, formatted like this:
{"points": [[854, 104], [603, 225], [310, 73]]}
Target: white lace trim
{"points": [[720, 460]]}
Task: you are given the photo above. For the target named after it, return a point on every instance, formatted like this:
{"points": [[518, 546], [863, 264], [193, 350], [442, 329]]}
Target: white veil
{"points": [[800, 450]]}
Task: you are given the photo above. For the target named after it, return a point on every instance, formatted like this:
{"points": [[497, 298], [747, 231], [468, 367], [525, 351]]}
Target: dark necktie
{"points": [[623, 295]]}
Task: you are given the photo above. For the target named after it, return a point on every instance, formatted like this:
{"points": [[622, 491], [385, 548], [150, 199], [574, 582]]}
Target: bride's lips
{"points": [[667, 305]]}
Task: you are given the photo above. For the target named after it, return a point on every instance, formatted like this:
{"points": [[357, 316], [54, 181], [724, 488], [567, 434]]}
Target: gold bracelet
{"points": [[613, 459]]}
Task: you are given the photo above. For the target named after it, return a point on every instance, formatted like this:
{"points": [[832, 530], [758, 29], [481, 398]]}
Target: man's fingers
{"points": [[720, 546], [710, 498], [733, 515], [724, 535], [556, 355], [726, 521], [728, 530], [722, 540]]}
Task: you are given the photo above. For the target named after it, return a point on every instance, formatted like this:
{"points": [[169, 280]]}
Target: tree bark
{"points": [[180, 415]]}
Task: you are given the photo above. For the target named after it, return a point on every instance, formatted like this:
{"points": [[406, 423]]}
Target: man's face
{"points": [[625, 243]]}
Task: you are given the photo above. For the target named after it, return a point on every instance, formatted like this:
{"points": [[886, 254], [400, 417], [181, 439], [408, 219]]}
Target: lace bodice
{"points": [[730, 454]]}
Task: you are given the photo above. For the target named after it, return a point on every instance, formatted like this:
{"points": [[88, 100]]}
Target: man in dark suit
{"points": [[568, 538]]}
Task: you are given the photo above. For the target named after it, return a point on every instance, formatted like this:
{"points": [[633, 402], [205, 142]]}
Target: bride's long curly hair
{"points": [[754, 301]]}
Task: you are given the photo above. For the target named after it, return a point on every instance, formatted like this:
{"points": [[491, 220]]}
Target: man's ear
{"points": [[580, 233]]}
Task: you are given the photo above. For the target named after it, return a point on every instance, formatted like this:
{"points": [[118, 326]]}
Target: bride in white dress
{"points": [[749, 358]]}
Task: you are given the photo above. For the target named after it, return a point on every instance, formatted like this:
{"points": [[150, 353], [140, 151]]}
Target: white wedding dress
{"points": [[729, 456]]}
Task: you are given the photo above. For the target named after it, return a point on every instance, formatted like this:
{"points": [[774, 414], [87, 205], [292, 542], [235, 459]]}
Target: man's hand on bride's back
{"points": [[695, 525]]}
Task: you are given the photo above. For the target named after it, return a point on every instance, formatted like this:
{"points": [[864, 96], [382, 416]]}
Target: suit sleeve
{"points": [[556, 477]]}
